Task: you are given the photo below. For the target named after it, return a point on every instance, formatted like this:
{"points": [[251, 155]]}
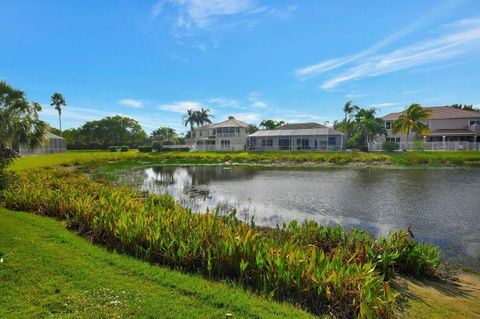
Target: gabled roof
{"points": [[298, 126], [233, 122], [51, 135], [441, 113]]}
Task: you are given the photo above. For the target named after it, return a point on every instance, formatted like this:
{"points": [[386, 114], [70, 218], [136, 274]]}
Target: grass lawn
{"points": [[411, 159], [48, 271]]}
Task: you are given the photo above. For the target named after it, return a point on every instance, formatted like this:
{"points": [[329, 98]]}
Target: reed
{"points": [[324, 269]]}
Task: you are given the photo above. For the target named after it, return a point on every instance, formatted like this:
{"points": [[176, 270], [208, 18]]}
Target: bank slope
{"points": [[49, 271]]}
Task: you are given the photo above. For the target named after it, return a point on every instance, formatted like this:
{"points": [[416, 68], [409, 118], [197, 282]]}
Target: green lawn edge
{"points": [[50, 271]]}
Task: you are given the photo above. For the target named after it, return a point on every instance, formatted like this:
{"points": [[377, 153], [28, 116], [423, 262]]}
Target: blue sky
{"points": [[254, 59]]}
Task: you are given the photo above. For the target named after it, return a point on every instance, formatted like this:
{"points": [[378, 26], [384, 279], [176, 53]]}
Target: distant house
{"points": [[446, 124], [52, 144], [296, 137], [229, 135]]}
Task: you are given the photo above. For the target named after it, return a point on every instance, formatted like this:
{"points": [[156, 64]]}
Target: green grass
{"points": [[409, 159], [50, 272]]}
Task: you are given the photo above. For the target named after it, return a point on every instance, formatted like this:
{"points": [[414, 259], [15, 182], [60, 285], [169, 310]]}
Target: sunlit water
{"points": [[443, 205]]}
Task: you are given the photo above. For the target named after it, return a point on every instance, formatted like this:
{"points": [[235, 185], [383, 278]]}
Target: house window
{"points": [[388, 125], [473, 122], [303, 143], [332, 140], [267, 142], [393, 139], [225, 143]]}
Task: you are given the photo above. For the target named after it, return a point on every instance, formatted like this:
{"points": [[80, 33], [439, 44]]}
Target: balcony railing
{"points": [[431, 146]]}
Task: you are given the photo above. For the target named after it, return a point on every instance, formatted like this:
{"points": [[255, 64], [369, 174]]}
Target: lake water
{"points": [[443, 205]]}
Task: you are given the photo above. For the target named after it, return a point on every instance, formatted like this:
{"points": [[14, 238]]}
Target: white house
{"points": [[229, 135]]}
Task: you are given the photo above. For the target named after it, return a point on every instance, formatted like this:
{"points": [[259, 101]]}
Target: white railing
{"points": [[231, 148], [295, 148], [227, 134], [430, 146]]}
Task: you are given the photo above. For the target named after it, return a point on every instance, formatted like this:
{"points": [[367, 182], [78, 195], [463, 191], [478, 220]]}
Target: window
{"points": [[473, 122], [393, 139], [225, 143], [267, 142], [284, 143], [388, 125], [303, 143], [332, 140]]}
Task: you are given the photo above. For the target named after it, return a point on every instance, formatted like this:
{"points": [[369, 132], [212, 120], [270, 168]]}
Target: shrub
{"points": [[390, 146], [178, 149], [326, 269], [168, 143], [418, 145], [124, 148], [157, 146], [114, 148], [144, 149]]}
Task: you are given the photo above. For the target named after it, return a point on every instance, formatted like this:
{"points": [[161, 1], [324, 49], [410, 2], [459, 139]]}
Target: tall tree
{"points": [[367, 126], [251, 128], [113, 130], [271, 124], [348, 109], [203, 117], [466, 107], [412, 120], [20, 124], [190, 119], [58, 101]]}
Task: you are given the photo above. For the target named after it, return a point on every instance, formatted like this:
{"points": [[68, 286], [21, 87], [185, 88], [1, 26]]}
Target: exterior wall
{"points": [[446, 124], [51, 146], [237, 140], [283, 143]]}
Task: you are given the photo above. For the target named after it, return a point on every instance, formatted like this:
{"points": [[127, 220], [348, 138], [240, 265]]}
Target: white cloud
{"points": [[224, 102], [385, 104], [181, 106], [256, 102], [247, 117], [442, 48], [354, 95], [131, 102]]}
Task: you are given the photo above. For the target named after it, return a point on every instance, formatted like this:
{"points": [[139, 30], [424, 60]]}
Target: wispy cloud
{"points": [[224, 102], [460, 38], [131, 102], [247, 117], [384, 104], [181, 106], [256, 102]]}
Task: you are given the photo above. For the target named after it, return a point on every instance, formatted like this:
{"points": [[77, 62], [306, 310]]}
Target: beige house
{"points": [[229, 135], [296, 137], [450, 128]]}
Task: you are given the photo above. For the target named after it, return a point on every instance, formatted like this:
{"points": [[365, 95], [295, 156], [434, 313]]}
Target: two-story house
{"points": [[229, 135], [447, 124]]}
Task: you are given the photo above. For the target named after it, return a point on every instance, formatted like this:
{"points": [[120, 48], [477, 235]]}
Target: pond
{"points": [[443, 205]]}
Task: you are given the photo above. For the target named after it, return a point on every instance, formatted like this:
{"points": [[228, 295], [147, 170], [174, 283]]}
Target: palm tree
{"points": [[203, 117], [367, 126], [348, 109], [412, 120], [190, 119], [58, 101]]}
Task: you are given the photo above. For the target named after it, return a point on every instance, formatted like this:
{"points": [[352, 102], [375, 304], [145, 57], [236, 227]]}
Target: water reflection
{"points": [[443, 205]]}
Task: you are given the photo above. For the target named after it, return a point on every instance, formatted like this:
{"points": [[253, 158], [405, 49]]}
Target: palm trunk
{"points": [[346, 133], [60, 122]]}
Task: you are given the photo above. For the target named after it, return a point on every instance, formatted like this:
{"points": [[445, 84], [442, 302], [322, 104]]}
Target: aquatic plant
{"points": [[325, 269]]}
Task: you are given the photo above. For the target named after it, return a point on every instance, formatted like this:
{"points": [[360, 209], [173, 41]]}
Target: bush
{"points": [[145, 149], [326, 269], [156, 146], [124, 148], [390, 146], [418, 145], [114, 148], [168, 143]]}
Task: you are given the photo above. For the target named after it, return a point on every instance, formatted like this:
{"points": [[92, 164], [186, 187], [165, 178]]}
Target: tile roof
{"points": [[233, 122], [441, 113]]}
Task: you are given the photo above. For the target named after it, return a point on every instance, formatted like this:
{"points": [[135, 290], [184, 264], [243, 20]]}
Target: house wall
{"points": [[296, 143], [237, 142]]}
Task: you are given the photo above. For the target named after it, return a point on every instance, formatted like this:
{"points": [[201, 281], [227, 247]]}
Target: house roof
{"points": [[50, 135], [441, 113], [297, 126], [296, 132], [233, 122]]}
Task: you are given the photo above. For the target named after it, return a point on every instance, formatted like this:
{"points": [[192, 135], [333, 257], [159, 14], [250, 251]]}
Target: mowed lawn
{"points": [[48, 271]]}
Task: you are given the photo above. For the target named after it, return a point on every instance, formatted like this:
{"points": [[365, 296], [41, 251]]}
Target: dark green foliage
{"points": [[124, 148], [114, 148], [157, 146], [390, 146], [178, 149], [145, 149]]}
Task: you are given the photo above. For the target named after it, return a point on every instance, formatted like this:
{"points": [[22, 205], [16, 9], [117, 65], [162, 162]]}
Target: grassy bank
{"points": [[407, 159], [48, 271], [325, 269]]}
